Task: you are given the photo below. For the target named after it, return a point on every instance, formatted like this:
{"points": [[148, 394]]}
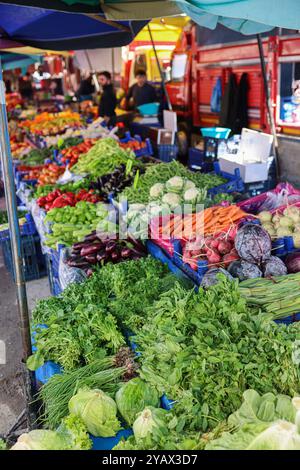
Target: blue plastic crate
{"points": [[28, 228], [234, 182], [149, 109], [167, 153], [33, 260], [46, 371], [283, 246], [108, 443], [165, 403], [148, 150], [160, 254]]}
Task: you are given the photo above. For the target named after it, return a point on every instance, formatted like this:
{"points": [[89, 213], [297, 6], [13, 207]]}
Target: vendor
{"points": [[108, 101], [86, 89], [141, 92]]}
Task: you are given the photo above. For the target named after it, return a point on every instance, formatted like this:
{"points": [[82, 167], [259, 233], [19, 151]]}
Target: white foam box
{"points": [[250, 172]]}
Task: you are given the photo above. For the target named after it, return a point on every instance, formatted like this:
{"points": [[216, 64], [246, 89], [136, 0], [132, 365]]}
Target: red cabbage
{"points": [[253, 243], [292, 262]]}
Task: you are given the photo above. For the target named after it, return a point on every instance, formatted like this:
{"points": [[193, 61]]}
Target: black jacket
{"points": [[142, 95], [108, 102]]}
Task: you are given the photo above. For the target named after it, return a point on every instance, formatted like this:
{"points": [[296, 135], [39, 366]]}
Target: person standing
{"points": [[108, 101], [141, 92], [86, 89]]}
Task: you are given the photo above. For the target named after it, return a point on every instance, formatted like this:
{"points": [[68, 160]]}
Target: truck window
{"points": [[290, 92], [140, 63], [178, 67]]}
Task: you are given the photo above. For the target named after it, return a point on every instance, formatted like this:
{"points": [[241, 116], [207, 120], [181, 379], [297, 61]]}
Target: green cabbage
{"points": [[133, 397], [40, 439], [262, 422], [97, 410], [149, 421]]}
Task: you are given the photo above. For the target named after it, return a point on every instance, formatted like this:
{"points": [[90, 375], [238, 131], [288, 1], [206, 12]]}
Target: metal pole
{"points": [[94, 76], [113, 64], [11, 205], [160, 71], [269, 104]]}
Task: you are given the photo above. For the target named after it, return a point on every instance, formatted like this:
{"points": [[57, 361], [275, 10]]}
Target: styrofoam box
{"points": [[250, 172]]}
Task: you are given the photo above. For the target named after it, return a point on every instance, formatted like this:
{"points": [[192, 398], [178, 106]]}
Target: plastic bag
{"points": [[283, 194], [216, 97], [67, 274]]}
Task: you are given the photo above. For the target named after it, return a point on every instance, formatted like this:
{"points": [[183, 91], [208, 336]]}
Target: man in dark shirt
{"points": [[108, 101], [141, 92]]}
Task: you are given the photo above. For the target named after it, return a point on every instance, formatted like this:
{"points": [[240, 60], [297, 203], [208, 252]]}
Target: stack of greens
{"points": [[205, 349], [90, 315], [103, 158]]}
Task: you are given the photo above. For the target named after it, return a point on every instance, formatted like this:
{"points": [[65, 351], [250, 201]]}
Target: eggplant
{"points": [[92, 259], [111, 246], [115, 256], [78, 246], [79, 264], [138, 245], [75, 257], [91, 238], [126, 253], [101, 257], [91, 249]]}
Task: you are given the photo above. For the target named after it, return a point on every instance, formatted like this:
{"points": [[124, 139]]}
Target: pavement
{"points": [[12, 399]]}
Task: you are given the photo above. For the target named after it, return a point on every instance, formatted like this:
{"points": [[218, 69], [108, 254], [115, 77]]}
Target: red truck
{"points": [[202, 56]]}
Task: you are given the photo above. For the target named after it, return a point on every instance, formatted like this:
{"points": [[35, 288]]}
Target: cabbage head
{"points": [[133, 397], [157, 190], [172, 200], [97, 410], [149, 422], [40, 439]]}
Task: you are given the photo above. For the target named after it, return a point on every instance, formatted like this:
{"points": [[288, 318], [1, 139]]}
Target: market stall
{"points": [[174, 301]]}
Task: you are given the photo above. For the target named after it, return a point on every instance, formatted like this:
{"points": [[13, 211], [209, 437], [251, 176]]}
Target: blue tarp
{"points": [[245, 16], [48, 29]]}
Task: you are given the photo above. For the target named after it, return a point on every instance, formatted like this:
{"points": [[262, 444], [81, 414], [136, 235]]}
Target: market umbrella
{"points": [[48, 29], [14, 61]]}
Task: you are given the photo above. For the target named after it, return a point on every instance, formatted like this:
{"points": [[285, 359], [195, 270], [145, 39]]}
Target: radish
{"points": [[224, 247], [214, 244], [227, 259], [213, 257], [232, 233]]}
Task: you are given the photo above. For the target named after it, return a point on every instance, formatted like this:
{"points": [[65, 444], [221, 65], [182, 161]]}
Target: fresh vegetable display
{"points": [[133, 145], [113, 183], [207, 373], [278, 297], [103, 158], [57, 198], [282, 223], [103, 248], [163, 172], [70, 155], [49, 124], [71, 224], [36, 156], [50, 174], [267, 422]]}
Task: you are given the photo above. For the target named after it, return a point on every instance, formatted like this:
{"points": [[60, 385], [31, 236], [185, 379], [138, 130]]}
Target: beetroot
{"points": [[213, 257], [230, 257], [274, 267], [293, 262], [253, 243]]}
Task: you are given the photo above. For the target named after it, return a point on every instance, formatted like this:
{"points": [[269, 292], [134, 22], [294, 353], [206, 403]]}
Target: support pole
{"points": [[11, 205], [160, 71], [269, 105]]}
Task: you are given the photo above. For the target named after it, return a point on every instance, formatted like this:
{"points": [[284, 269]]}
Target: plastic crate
{"points": [[197, 161], [28, 228], [167, 153], [149, 109], [53, 272], [34, 263], [234, 182], [108, 443], [148, 150]]}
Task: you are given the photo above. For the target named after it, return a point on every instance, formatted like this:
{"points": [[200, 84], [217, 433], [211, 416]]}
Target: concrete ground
{"points": [[12, 398]]}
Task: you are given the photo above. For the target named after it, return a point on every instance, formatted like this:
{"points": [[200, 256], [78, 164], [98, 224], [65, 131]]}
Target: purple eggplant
{"points": [[138, 245], [91, 238], [92, 259], [91, 249], [79, 264], [115, 256], [78, 246], [101, 257], [126, 253], [111, 246]]}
